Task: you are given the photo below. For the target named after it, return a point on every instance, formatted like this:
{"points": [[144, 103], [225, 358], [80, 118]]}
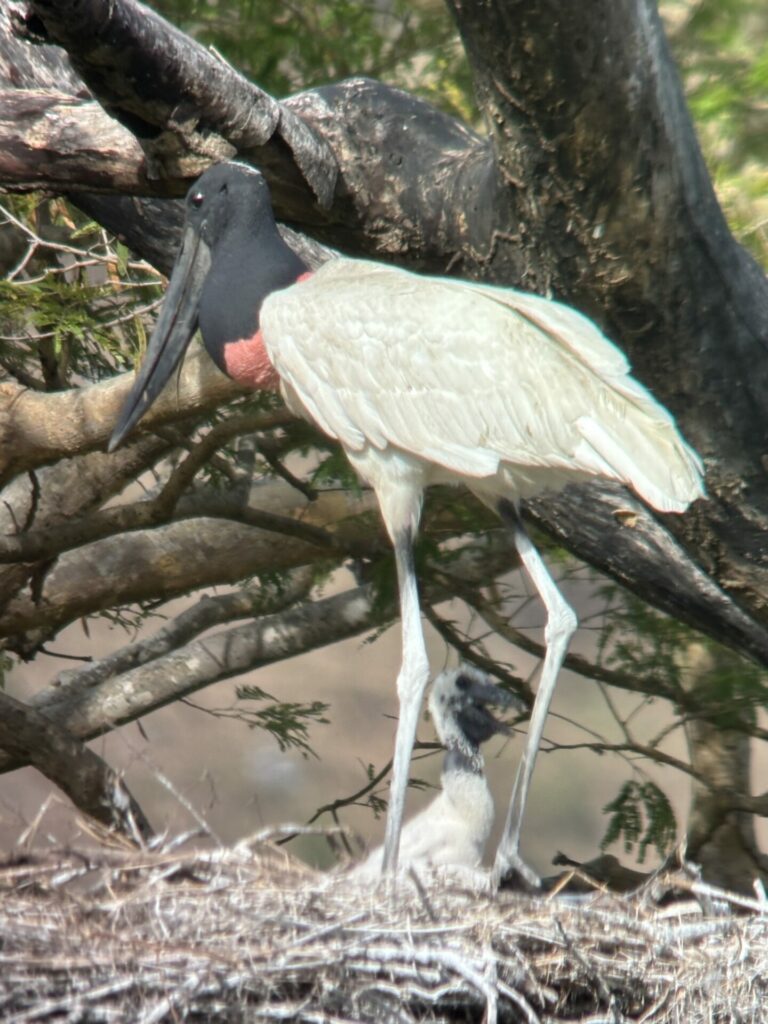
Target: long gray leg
{"points": [[411, 683], [561, 624]]}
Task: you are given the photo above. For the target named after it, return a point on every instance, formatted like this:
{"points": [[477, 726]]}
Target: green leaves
{"points": [[74, 303], [287, 721], [722, 54], [288, 47], [643, 816]]}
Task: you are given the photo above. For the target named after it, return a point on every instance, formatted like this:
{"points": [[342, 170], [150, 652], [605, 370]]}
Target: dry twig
{"points": [[249, 933]]}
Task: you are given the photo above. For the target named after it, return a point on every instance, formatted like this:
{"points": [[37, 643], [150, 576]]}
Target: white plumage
{"points": [[453, 829], [427, 380], [508, 392], [422, 380]]}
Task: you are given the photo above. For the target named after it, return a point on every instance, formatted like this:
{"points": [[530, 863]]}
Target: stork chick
{"points": [[455, 827]]}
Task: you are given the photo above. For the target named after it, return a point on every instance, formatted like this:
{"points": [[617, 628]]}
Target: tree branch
{"points": [[27, 736], [42, 544], [101, 704], [607, 527], [728, 799], [467, 649], [198, 664], [37, 428], [54, 140], [254, 601], [652, 685], [196, 551], [188, 110]]}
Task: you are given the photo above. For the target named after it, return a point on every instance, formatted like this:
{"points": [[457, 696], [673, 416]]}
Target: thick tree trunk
{"points": [[618, 216], [720, 838]]}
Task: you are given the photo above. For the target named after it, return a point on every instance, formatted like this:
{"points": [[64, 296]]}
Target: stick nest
{"points": [[249, 934]]}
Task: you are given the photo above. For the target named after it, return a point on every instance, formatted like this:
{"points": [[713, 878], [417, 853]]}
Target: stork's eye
{"points": [[463, 682], [197, 199]]}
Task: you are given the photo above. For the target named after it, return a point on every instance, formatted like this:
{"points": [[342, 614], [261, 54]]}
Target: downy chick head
{"points": [[459, 703]]}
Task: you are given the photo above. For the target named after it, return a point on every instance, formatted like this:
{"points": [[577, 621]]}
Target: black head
{"points": [[459, 705], [228, 199], [229, 234]]}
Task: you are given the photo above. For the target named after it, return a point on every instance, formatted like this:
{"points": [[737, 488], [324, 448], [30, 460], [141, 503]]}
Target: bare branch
{"points": [[43, 544], [229, 653], [37, 428], [189, 108], [176, 558], [54, 140], [101, 704], [728, 799], [469, 652], [27, 735], [648, 683], [254, 601]]}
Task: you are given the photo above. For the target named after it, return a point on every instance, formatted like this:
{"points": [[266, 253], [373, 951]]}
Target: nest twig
{"points": [[249, 934]]}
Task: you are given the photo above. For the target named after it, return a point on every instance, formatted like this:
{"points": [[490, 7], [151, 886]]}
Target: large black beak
{"points": [[173, 332], [475, 720]]}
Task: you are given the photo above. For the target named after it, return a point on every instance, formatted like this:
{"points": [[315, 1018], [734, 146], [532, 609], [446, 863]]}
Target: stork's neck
{"points": [[464, 758], [465, 789], [248, 264]]}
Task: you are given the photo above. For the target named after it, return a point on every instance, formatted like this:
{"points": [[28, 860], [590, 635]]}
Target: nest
{"points": [[248, 933]]}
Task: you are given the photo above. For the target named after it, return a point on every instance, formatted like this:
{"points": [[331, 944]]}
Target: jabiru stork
{"points": [[422, 380], [453, 829]]}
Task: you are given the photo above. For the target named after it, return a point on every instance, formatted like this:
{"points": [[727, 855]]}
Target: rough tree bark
{"points": [[31, 737], [720, 835], [589, 187]]}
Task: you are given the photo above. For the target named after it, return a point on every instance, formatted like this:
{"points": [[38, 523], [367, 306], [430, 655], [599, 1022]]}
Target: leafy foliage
{"points": [[638, 639], [287, 721], [72, 303], [720, 49], [642, 815], [285, 47]]}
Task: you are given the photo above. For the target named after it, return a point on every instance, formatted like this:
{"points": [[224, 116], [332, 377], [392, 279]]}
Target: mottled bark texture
{"points": [[31, 737]]}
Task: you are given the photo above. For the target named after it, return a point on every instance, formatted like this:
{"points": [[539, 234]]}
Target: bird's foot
{"points": [[511, 872]]}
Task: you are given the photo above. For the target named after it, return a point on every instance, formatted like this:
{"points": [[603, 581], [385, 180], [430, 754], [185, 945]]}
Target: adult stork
{"points": [[453, 829], [423, 380]]}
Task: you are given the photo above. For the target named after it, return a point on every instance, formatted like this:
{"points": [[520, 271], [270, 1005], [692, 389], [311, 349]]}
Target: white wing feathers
{"points": [[316, 397], [574, 330], [485, 382]]}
